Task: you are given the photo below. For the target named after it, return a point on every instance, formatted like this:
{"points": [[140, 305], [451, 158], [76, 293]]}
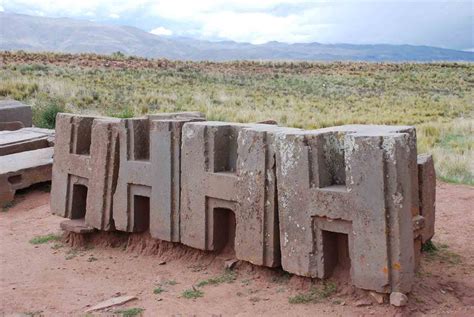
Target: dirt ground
{"points": [[57, 279]]}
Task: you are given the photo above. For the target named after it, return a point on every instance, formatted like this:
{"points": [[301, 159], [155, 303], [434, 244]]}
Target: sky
{"points": [[441, 23]]}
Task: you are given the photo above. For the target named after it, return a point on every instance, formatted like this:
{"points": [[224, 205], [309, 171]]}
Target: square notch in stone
{"points": [[138, 139], [78, 193], [81, 134], [334, 246], [139, 213], [331, 159], [225, 150]]}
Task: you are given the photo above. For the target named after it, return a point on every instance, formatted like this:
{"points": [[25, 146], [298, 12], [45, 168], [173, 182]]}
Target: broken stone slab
{"points": [[427, 190], [12, 110], [398, 299], [114, 301], [25, 139], [76, 226], [379, 298], [230, 264], [345, 195], [21, 170], [228, 184]]}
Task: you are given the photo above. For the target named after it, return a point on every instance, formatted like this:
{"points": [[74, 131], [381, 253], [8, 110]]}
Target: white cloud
{"points": [[258, 28], [77, 8], [161, 31], [430, 22], [1, 9]]}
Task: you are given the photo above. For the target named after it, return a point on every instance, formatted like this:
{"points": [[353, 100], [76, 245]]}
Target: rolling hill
{"points": [[33, 33]]}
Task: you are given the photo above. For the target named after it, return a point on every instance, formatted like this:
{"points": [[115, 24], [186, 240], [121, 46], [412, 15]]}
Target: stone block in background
{"points": [[12, 110], [23, 169]]}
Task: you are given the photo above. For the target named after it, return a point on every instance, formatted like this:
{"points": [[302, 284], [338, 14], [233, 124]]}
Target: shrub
{"points": [[45, 116]]}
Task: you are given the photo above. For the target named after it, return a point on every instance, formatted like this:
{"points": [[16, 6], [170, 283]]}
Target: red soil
{"points": [[68, 280]]}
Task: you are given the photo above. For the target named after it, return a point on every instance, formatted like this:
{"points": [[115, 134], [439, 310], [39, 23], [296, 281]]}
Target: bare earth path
{"points": [[53, 279]]}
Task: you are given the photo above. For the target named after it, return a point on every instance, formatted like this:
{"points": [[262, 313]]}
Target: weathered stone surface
{"points": [[148, 185], [427, 190], [185, 115], [398, 299], [12, 110], [76, 226], [21, 170], [11, 126], [338, 199], [346, 194], [85, 169], [25, 139], [228, 184]]}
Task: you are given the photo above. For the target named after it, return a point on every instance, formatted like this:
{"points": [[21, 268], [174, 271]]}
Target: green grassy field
{"points": [[436, 98]]}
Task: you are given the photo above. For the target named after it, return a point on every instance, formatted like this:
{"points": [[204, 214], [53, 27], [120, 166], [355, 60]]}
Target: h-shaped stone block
{"points": [[148, 184], [349, 193], [229, 198], [85, 169]]}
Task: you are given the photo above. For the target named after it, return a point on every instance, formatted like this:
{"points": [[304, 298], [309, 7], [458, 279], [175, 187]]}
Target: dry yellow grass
{"points": [[436, 98]]}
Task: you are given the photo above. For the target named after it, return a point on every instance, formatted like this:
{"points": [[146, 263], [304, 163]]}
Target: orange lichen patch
{"points": [[385, 270], [397, 266]]}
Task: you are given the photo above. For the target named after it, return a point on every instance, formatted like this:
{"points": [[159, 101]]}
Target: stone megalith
{"points": [[85, 169], [347, 196], [148, 185], [229, 198]]}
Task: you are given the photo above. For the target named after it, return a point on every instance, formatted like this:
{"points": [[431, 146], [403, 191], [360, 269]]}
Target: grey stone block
{"points": [[76, 226], [228, 199], [85, 169], [25, 139], [427, 191], [11, 125], [12, 110], [346, 194], [21, 170], [148, 185]]}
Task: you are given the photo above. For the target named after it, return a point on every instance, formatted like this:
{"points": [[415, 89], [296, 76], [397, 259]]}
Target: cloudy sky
{"points": [[443, 23]]}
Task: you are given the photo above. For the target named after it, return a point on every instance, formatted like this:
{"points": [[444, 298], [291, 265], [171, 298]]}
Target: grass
{"points": [[429, 247], [158, 290], [34, 313], [192, 293], [171, 282], [57, 246], [228, 277], [45, 239], [281, 278], [71, 254], [8, 205], [314, 295], [441, 253], [435, 97], [45, 116], [130, 312]]}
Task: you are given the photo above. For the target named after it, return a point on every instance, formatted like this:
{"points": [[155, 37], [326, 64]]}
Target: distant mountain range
{"points": [[33, 33]]}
